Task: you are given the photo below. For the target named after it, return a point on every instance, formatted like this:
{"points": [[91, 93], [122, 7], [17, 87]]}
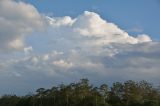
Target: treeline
{"points": [[82, 93]]}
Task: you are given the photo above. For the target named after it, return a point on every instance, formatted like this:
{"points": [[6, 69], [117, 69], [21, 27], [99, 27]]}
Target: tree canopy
{"points": [[82, 93]]}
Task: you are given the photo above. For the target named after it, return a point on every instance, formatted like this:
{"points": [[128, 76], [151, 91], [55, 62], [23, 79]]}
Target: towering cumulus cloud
{"points": [[69, 49], [91, 25], [17, 19]]}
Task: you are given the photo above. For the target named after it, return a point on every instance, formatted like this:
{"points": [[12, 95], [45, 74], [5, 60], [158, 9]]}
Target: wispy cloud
{"points": [[135, 29]]}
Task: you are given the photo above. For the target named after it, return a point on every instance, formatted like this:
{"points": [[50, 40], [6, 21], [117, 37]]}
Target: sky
{"points": [[47, 42], [135, 17]]}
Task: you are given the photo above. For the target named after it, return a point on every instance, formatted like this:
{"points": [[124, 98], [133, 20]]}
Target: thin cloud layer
{"points": [[69, 49]]}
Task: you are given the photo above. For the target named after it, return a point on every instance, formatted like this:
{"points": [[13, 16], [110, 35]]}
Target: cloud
{"points": [[143, 38], [135, 29], [28, 50], [17, 19], [134, 62], [61, 21], [91, 26], [63, 64], [69, 49]]}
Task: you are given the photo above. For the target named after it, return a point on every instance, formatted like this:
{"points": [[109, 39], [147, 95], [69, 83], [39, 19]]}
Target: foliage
{"points": [[82, 93]]}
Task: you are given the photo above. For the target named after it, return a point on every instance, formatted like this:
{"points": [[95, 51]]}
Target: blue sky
{"points": [[47, 42], [128, 14]]}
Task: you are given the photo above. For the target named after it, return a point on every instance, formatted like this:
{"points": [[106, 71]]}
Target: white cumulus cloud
{"points": [[89, 28]]}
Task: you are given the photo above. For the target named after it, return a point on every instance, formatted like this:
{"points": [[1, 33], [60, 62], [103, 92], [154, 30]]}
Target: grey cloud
{"points": [[17, 19], [54, 67]]}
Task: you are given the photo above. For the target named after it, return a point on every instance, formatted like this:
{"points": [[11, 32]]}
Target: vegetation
{"points": [[82, 93]]}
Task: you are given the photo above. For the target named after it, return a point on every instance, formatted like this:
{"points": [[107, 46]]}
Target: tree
{"points": [[104, 92], [82, 93]]}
